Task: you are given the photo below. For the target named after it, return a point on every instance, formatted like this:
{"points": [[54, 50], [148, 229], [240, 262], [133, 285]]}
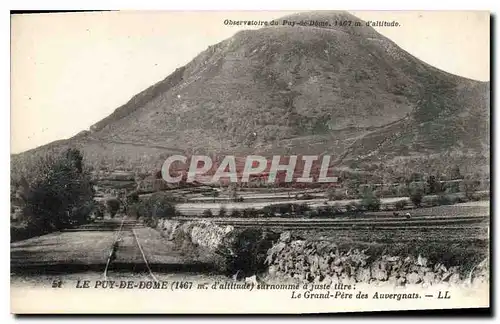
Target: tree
{"points": [[330, 193], [235, 213], [444, 199], [416, 197], [415, 177], [222, 211], [132, 197], [215, 194], [369, 201], [130, 201], [352, 183], [469, 186], [100, 209], [334, 194], [434, 185], [245, 251], [401, 190], [455, 173], [233, 189], [400, 204], [452, 187], [207, 213], [349, 207], [59, 193], [159, 205], [112, 205], [76, 158]]}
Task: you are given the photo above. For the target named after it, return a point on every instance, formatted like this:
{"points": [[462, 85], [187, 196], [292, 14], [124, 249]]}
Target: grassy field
{"points": [[63, 248]]}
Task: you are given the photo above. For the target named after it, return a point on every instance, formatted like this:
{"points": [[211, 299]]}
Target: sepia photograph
{"points": [[249, 162]]}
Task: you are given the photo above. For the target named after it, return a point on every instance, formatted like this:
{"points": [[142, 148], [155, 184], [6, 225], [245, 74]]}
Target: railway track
{"points": [[127, 246]]}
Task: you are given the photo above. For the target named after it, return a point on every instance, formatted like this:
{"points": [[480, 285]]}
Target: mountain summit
{"points": [[336, 87]]}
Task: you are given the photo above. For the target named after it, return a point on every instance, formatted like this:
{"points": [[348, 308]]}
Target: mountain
{"points": [[343, 90]]}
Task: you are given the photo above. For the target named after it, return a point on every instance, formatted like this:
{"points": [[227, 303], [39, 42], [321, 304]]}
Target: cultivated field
{"points": [[197, 205], [456, 235], [449, 215]]}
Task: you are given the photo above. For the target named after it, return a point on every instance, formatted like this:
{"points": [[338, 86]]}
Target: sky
{"points": [[70, 70]]}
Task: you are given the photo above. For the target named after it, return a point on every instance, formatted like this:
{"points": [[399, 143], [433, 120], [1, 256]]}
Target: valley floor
{"points": [[143, 253]]}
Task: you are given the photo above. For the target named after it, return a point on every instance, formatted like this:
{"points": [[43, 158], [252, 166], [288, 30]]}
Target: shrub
{"points": [[348, 208], [416, 197], [302, 208], [469, 187], [377, 193], [400, 204], [207, 213], [326, 211], [352, 206], [385, 192], [305, 196], [336, 194], [81, 214], [151, 221], [247, 212], [100, 210], [337, 209], [369, 201], [285, 208], [452, 187], [314, 213], [268, 211], [402, 190], [430, 201], [222, 211], [132, 198], [444, 199], [476, 196], [235, 213], [133, 210], [272, 210], [245, 251], [330, 194], [112, 206], [433, 185], [417, 187], [157, 205]]}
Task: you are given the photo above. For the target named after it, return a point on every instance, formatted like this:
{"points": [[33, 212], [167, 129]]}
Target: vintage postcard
{"points": [[250, 162]]}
